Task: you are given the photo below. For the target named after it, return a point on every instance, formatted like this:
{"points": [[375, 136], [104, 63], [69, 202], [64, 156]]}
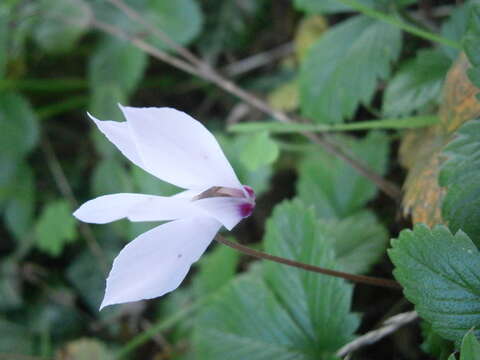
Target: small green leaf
{"points": [[284, 128], [440, 274], [342, 69], [358, 241], [471, 40], [433, 344], [333, 187], [55, 228], [61, 23], [417, 83], [460, 174], [181, 20], [455, 26], [259, 149], [470, 349]]}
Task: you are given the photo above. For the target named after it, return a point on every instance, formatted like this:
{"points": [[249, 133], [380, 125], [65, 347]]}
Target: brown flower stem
{"points": [[362, 279]]}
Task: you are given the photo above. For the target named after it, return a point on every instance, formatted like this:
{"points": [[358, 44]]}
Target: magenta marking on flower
{"points": [[249, 191], [246, 209]]}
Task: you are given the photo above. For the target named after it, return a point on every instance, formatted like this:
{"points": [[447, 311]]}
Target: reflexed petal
{"points": [[157, 261], [119, 134], [136, 207], [178, 149], [227, 210]]}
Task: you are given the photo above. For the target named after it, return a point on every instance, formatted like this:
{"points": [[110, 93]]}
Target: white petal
{"points": [[178, 149], [136, 207], [119, 134], [157, 261], [227, 210]]}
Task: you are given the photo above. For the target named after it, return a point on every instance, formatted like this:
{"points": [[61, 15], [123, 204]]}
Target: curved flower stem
{"points": [[351, 277], [368, 11]]}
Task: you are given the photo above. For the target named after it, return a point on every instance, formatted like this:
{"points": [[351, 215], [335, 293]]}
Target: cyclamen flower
{"points": [[176, 148]]}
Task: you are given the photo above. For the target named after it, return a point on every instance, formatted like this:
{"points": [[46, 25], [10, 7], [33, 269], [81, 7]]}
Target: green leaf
{"points": [[293, 232], [440, 275], [259, 149], [104, 100], [333, 187], [358, 241], [216, 269], [18, 126], [343, 67], [61, 23], [116, 62], [417, 84], [246, 321], [55, 228], [327, 6], [181, 20], [471, 40], [461, 175], [110, 176], [470, 347], [285, 128]]}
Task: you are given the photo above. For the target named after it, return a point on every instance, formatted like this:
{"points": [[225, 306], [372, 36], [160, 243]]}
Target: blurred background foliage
{"points": [[321, 60]]}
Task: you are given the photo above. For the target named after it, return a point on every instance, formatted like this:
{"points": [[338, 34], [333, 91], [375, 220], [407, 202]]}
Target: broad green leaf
{"points": [[55, 228], [470, 349], [471, 40], [342, 69], [110, 176], [104, 100], [259, 149], [358, 241], [417, 84], [60, 24], [246, 321], [118, 63], [327, 6], [440, 275], [333, 187], [293, 232], [285, 128], [233, 147], [181, 20], [18, 126], [460, 174], [19, 209], [215, 269]]}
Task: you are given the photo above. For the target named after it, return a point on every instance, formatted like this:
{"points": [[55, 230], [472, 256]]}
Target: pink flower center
{"points": [[246, 209]]}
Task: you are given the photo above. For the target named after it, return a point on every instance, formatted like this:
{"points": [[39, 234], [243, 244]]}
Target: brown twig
{"points": [[207, 73], [66, 191], [389, 326], [351, 277]]}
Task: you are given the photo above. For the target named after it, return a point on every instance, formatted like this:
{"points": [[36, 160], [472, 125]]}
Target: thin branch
{"points": [[351, 277], [205, 72], [389, 326], [255, 61], [66, 191]]}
